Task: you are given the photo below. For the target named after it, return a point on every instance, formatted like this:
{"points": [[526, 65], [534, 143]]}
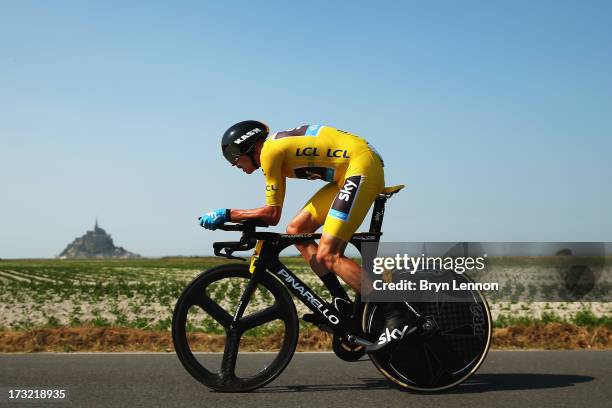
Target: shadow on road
{"points": [[367, 384], [517, 381], [478, 383]]}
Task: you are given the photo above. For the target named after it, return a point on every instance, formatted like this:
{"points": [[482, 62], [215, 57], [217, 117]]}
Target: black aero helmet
{"points": [[241, 139]]}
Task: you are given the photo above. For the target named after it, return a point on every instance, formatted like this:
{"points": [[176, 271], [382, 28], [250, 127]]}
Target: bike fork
{"points": [[244, 300]]}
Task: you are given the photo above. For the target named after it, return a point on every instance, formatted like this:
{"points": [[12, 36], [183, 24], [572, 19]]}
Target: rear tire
{"points": [[438, 359]]}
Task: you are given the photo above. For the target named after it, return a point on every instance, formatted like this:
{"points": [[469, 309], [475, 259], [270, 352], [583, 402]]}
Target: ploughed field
{"points": [[141, 293], [138, 293]]}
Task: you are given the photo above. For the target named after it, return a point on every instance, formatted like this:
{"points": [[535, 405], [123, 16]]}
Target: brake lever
{"points": [[219, 251], [229, 255], [226, 249]]}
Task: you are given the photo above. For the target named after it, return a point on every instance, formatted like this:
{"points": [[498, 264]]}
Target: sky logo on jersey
{"points": [[341, 208], [313, 130]]}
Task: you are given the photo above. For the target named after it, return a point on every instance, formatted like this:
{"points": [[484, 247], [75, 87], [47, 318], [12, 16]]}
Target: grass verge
{"points": [[554, 335]]}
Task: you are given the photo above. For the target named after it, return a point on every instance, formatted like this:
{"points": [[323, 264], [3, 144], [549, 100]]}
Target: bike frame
{"points": [[427, 353], [267, 261]]}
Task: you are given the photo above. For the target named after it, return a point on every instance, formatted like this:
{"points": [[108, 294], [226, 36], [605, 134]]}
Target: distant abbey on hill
{"points": [[95, 244]]}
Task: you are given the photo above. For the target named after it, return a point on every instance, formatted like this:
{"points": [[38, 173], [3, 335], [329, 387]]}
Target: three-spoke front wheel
{"points": [[202, 322]]}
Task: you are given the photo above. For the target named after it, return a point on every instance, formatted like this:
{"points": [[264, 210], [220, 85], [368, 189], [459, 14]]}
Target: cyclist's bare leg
{"points": [[328, 254], [330, 257], [304, 223]]}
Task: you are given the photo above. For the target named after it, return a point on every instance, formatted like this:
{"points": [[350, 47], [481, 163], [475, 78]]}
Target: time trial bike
{"points": [[450, 343]]}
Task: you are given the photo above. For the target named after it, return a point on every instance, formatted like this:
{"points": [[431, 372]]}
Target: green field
{"points": [[141, 293], [137, 293]]}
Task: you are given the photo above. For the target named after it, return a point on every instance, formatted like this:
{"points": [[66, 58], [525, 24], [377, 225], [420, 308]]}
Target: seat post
{"points": [[378, 213]]}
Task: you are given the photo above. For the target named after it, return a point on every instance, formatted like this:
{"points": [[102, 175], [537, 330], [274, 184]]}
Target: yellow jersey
{"points": [[313, 152]]}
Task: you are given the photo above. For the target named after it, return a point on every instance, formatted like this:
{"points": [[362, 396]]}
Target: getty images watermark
{"points": [[428, 269], [501, 271]]}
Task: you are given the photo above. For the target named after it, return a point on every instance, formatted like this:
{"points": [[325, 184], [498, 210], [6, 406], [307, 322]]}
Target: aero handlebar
{"points": [[247, 240]]}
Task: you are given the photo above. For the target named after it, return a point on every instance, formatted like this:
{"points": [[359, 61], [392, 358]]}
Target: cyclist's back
{"points": [[313, 152]]}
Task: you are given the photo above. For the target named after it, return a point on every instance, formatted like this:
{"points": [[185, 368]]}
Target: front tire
{"points": [[216, 293]]}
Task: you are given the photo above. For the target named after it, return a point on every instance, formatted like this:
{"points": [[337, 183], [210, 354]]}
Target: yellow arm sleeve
{"points": [[271, 164]]}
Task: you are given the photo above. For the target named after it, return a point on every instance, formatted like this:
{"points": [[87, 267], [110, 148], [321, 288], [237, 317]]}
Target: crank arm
{"points": [[358, 340]]}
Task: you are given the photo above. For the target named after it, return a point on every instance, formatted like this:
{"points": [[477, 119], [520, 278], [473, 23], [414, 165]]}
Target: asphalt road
{"points": [[506, 379]]}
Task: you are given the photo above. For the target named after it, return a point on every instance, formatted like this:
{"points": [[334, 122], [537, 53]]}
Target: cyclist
{"points": [[354, 176]]}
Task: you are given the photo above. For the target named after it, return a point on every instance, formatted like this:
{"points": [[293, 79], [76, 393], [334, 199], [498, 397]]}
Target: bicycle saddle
{"points": [[389, 191]]}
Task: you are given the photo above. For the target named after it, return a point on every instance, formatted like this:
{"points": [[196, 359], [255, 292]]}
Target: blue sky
{"points": [[497, 115]]}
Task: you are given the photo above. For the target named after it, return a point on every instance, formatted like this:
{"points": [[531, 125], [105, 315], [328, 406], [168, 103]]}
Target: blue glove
{"points": [[213, 219]]}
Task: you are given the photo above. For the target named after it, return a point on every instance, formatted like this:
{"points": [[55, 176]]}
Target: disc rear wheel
{"points": [[450, 344]]}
